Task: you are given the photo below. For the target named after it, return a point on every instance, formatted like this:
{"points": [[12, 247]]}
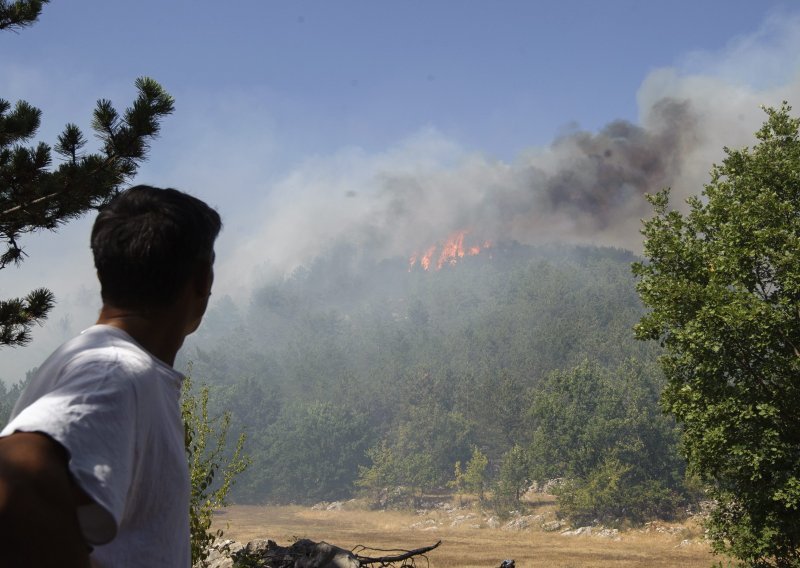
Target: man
{"points": [[93, 469]]}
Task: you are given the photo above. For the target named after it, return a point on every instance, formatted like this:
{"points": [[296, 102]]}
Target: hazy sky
{"points": [[306, 122]]}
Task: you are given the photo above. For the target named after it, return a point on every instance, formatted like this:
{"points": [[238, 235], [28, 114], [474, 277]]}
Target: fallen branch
{"points": [[306, 553], [387, 560]]}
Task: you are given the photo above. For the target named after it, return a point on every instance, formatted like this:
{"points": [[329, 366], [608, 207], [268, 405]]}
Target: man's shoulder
{"points": [[101, 338], [100, 368], [101, 356], [93, 349], [102, 345]]}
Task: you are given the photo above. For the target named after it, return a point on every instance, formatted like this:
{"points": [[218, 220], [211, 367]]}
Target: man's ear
{"points": [[203, 278]]}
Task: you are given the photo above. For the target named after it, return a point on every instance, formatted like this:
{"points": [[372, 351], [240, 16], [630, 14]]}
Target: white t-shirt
{"points": [[116, 409]]}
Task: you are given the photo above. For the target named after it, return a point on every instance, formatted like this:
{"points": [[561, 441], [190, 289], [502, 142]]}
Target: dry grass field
{"points": [[470, 543]]}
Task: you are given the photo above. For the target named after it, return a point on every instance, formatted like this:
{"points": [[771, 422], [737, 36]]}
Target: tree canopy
{"points": [[723, 283]]}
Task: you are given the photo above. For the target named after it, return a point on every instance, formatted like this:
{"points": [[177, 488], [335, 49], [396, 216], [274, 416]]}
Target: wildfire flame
{"points": [[450, 252]]}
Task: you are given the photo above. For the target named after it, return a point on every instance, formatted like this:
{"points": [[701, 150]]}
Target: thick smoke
{"points": [[585, 187], [609, 170]]}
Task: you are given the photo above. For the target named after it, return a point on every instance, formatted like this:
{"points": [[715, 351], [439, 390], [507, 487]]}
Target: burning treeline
{"points": [[449, 252], [584, 188]]}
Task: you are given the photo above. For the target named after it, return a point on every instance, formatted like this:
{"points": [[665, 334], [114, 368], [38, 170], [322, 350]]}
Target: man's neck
{"points": [[155, 331]]}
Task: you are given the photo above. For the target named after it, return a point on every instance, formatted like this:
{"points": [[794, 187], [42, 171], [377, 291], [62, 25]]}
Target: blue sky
{"points": [[307, 122], [495, 76]]}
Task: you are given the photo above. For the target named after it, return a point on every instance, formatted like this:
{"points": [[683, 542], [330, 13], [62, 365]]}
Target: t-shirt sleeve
{"points": [[93, 417]]}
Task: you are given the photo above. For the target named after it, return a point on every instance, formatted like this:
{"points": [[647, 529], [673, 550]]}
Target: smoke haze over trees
{"points": [[351, 369]]}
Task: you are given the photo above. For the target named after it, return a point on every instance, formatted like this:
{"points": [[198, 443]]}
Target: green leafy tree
{"points": [[590, 422], [476, 475], [513, 477], [615, 492], [382, 474], [315, 450], [723, 283], [392, 479], [428, 440], [457, 483], [419, 451], [212, 466], [35, 197]]}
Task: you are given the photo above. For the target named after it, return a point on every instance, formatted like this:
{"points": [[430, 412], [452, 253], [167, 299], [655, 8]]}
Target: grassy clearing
{"points": [[471, 543]]}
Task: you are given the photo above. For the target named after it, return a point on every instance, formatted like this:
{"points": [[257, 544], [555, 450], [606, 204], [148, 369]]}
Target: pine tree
{"points": [[35, 196]]}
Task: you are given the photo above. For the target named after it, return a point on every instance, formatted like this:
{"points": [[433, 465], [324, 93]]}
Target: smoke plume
{"points": [[584, 187]]}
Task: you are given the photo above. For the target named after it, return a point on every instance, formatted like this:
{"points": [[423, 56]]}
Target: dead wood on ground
{"points": [[306, 553]]}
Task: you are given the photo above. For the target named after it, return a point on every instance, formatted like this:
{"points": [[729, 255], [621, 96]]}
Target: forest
{"points": [[504, 369]]}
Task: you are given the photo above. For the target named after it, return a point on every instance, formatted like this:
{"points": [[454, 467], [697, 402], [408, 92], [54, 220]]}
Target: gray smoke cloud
{"points": [[585, 187]]}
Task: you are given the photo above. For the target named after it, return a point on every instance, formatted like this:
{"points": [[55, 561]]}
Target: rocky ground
{"points": [[444, 515]]}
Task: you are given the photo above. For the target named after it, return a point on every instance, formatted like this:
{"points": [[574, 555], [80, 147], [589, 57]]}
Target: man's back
{"points": [[115, 409]]}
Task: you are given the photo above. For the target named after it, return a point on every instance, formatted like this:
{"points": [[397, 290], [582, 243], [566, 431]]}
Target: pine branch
{"points": [[19, 315], [19, 14], [32, 198], [19, 125]]}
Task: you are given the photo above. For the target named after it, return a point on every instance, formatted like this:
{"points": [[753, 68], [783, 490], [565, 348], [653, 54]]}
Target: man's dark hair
{"points": [[147, 244]]}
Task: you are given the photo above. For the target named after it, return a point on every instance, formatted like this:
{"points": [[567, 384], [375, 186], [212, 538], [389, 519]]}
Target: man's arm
{"points": [[38, 505]]}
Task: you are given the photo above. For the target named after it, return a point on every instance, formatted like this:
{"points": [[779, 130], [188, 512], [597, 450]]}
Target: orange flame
{"points": [[451, 251]]}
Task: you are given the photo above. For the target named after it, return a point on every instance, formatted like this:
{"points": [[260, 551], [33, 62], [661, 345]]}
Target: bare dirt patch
{"points": [[470, 543]]}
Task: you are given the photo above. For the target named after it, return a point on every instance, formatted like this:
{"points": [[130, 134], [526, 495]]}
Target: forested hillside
{"points": [[517, 364]]}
